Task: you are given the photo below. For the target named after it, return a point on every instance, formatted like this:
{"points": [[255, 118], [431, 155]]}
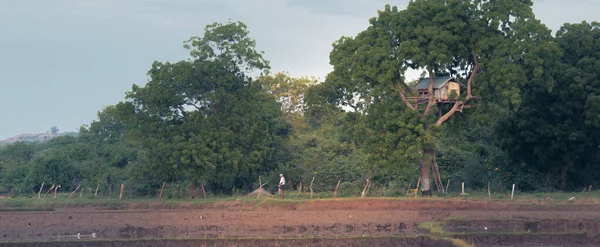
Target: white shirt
{"points": [[282, 181]]}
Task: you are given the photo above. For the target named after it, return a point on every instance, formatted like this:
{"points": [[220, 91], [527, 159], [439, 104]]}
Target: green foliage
{"points": [[228, 43], [205, 121], [395, 138], [327, 155], [555, 130]]}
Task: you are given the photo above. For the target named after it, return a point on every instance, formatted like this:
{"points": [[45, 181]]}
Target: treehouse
{"points": [[445, 90]]}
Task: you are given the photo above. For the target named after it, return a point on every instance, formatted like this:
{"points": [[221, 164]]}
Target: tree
{"points": [[287, 90], [499, 44], [290, 92], [54, 130], [555, 131], [205, 119]]}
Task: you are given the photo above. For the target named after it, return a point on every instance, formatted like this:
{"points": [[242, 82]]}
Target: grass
{"points": [[434, 228], [292, 198], [594, 196], [459, 242]]}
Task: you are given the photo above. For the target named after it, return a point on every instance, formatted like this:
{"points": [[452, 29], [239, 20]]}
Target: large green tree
{"points": [[205, 119], [498, 45], [556, 131]]}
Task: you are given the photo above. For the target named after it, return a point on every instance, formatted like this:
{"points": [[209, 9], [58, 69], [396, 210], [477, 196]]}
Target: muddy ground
{"points": [[497, 223]]}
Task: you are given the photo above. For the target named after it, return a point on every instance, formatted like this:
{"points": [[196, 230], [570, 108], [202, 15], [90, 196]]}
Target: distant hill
{"points": [[38, 137]]}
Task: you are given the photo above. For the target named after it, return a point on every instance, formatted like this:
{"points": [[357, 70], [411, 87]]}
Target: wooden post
{"points": [[364, 192], [81, 193], [161, 190], [463, 188], [51, 188], [41, 188], [121, 193], [260, 185], [203, 191], [417, 189], [408, 189], [299, 189], [109, 190], [589, 191], [311, 184], [56, 189], [489, 192], [447, 184], [512, 194], [96, 194], [336, 189], [75, 190]]}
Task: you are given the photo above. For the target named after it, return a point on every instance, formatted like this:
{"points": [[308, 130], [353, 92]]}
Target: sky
{"points": [[62, 61]]}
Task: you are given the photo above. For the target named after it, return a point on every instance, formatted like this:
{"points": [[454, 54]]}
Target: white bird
{"points": [[485, 227], [79, 235], [94, 235]]}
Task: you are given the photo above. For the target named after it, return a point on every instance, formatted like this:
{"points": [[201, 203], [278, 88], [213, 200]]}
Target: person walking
{"points": [[281, 186]]}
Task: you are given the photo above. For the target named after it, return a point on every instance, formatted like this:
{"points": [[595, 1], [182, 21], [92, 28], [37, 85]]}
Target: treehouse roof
{"points": [[438, 82]]}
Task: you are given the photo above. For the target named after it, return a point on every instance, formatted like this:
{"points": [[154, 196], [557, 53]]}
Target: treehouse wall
{"points": [[444, 92]]}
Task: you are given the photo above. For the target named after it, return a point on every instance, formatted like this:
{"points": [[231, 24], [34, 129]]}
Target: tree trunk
{"points": [[193, 190], [563, 177], [425, 165]]}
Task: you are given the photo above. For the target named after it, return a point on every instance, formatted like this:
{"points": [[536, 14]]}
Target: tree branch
{"points": [[449, 114], [460, 104], [404, 100], [431, 102], [472, 77]]}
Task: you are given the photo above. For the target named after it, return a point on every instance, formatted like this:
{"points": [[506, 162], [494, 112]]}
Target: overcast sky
{"points": [[61, 61]]}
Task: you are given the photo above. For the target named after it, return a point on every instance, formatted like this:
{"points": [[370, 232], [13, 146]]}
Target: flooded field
{"points": [[346, 222]]}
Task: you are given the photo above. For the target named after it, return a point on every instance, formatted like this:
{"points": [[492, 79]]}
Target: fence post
{"points": [[513, 192]]}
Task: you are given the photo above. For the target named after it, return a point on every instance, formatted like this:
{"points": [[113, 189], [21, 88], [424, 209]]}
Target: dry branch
{"points": [[161, 190], [121, 193], [75, 190], [51, 188], [96, 193], [41, 188], [299, 189], [336, 189], [203, 191], [489, 192], [573, 198], [311, 184], [260, 186], [56, 189], [366, 189]]}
